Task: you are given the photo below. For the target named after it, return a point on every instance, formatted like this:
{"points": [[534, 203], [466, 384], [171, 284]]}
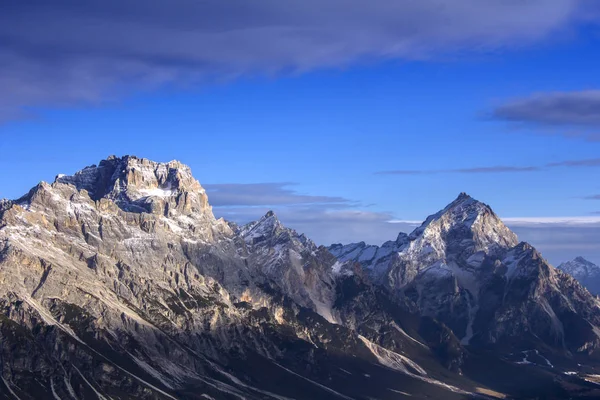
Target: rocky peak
{"points": [[401, 239], [465, 222], [267, 226], [580, 267], [586, 272], [138, 184]]}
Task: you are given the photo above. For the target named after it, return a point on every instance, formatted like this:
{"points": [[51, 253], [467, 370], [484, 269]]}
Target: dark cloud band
{"points": [[71, 52], [571, 114], [560, 108]]}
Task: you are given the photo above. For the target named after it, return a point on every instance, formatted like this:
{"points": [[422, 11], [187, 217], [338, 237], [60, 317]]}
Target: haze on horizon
{"points": [[351, 123]]}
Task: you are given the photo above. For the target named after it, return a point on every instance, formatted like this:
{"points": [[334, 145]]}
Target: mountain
{"points": [[118, 282], [586, 272], [465, 268]]}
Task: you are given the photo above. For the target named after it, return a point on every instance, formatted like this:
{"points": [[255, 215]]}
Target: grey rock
{"points": [[586, 272], [119, 282], [465, 268]]}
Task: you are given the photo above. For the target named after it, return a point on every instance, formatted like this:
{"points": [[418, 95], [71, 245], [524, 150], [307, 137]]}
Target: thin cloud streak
{"points": [[592, 162], [582, 221], [475, 170], [265, 194], [324, 219], [322, 225], [530, 221]]}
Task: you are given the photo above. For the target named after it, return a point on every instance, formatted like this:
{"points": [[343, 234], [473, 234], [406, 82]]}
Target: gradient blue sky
{"points": [[338, 139]]}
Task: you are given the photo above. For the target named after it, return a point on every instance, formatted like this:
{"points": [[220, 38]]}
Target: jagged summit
{"points": [[464, 209], [266, 226], [270, 214], [136, 177], [464, 227], [583, 260], [269, 231], [138, 184], [465, 219], [585, 271], [580, 266]]}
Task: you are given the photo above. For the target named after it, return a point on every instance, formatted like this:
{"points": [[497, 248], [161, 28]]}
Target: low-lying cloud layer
{"points": [[68, 52], [264, 194], [562, 240], [326, 219], [330, 219]]}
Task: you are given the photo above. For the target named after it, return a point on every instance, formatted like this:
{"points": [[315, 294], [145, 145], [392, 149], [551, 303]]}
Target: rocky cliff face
{"points": [[464, 267], [586, 272], [118, 282]]}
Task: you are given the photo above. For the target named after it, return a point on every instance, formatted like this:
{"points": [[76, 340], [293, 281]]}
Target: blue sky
{"points": [[338, 138]]}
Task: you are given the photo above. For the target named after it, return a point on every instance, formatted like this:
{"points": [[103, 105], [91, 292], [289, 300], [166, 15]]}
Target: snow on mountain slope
{"points": [[374, 259], [464, 267], [586, 272], [118, 282]]}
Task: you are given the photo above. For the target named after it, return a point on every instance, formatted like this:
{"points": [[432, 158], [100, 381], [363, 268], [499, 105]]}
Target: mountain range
{"points": [[118, 282]]}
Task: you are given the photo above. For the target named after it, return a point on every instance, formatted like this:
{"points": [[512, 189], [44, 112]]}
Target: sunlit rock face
{"points": [[119, 282], [464, 267]]}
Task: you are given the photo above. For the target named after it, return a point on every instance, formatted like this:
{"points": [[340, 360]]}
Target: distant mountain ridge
{"points": [[118, 282], [586, 272]]}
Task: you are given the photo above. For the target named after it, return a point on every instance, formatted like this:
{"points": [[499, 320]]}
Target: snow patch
{"points": [[157, 192], [397, 362], [316, 383]]}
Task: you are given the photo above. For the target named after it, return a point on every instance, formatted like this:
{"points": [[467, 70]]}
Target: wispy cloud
{"points": [[325, 219], [324, 225], [574, 113], [266, 194], [556, 221], [563, 239], [591, 162], [475, 170], [554, 108], [593, 197], [530, 221], [68, 52]]}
